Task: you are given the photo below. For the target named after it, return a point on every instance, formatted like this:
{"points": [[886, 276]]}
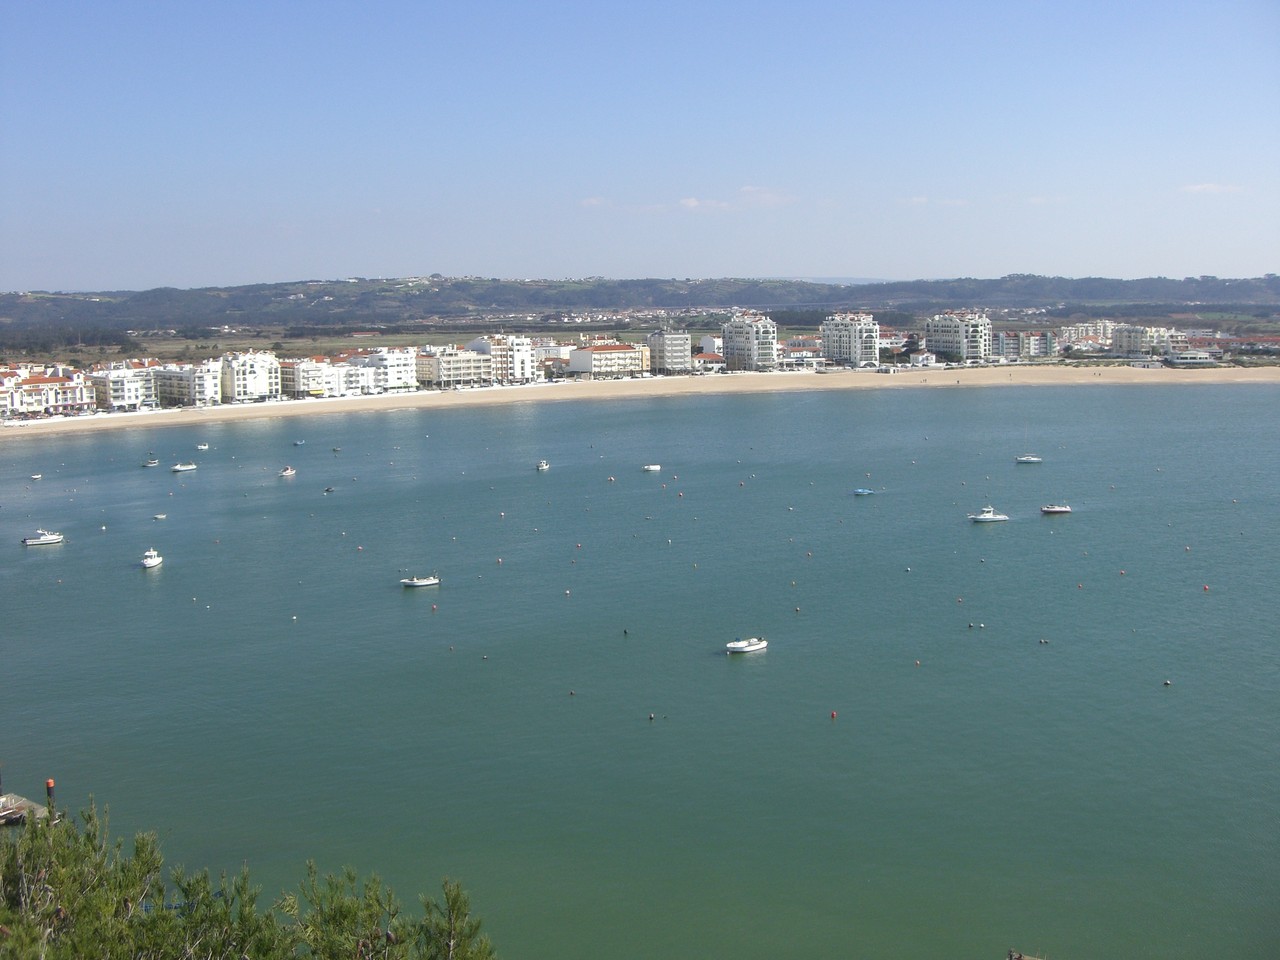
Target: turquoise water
{"points": [[271, 693]]}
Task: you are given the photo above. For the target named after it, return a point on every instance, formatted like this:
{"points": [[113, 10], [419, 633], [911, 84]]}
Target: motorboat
{"points": [[1028, 458], [652, 467], [1055, 508], [43, 538], [431, 581], [202, 446], [288, 471], [151, 559], [183, 467], [863, 492], [543, 465], [988, 515], [749, 645]]}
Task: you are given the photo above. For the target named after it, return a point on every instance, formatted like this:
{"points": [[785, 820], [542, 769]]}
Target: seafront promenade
{"points": [[936, 377]]}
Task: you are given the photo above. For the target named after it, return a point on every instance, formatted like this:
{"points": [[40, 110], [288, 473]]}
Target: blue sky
{"points": [[191, 144]]}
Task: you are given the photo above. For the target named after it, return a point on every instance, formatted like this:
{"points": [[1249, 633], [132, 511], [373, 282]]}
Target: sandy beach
{"points": [[1029, 375]]}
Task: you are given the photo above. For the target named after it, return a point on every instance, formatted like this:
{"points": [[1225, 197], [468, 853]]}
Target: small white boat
{"points": [[431, 581], [543, 465], [1028, 458], [183, 467], [202, 446], [151, 559], [42, 538], [652, 467], [1055, 508], [288, 471], [988, 515], [749, 645]]}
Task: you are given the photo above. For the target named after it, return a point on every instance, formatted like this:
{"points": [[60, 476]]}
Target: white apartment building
{"points": [[443, 368], [310, 377], [963, 336], [609, 360], [250, 376], [54, 392], [670, 353], [393, 368], [513, 360], [750, 342], [1023, 344], [189, 384], [127, 385], [1130, 339], [852, 338]]}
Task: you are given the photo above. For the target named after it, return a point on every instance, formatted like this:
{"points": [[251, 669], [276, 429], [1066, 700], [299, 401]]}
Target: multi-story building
{"points": [[1023, 344], [189, 384], [250, 376], [609, 360], [124, 385], [443, 368], [1131, 339], [750, 342], [852, 338], [513, 359], [393, 368], [960, 336], [670, 352]]}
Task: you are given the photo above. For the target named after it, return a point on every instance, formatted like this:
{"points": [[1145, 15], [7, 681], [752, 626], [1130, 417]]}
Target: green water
{"points": [[271, 693]]}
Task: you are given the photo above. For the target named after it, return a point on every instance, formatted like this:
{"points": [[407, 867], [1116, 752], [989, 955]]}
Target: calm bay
{"points": [[271, 693]]}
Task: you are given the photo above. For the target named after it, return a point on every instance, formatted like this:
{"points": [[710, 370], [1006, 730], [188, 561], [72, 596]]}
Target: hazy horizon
{"points": [[196, 146]]}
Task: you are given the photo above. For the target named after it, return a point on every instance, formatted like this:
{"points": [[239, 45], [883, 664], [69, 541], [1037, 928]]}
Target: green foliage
{"points": [[66, 891]]}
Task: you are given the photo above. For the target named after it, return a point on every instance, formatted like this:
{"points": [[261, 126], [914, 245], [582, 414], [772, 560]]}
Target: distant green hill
{"points": [[359, 303]]}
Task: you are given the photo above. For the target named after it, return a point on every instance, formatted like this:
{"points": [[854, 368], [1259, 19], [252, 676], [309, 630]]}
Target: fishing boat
{"points": [[183, 467], [749, 645], [43, 538], [1055, 508], [151, 559], [988, 515], [288, 471], [431, 581]]}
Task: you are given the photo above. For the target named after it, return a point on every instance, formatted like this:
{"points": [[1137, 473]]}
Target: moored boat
{"points": [[431, 581], [987, 515], [749, 645], [151, 559], [43, 538]]}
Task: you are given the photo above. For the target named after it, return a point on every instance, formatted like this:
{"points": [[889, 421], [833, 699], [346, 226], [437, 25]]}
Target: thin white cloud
{"points": [[1210, 188]]}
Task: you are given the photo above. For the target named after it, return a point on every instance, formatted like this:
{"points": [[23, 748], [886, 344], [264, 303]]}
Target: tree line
{"points": [[68, 891]]}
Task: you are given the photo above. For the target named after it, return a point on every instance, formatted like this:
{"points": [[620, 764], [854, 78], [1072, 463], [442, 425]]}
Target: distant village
{"points": [[746, 342]]}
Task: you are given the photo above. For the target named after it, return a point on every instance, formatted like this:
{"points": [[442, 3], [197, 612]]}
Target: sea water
{"points": [[960, 739]]}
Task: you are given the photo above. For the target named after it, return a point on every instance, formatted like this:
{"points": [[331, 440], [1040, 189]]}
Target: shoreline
{"points": [[746, 382]]}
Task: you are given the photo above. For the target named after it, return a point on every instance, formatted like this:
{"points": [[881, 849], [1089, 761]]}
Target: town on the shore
{"points": [[748, 341]]}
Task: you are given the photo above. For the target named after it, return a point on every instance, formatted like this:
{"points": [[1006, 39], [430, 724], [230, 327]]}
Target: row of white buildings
{"points": [[748, 341]]}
